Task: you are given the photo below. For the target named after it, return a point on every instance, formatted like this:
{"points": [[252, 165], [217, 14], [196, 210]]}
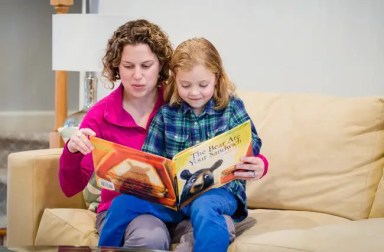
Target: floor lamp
{"points": [[55, 141], [78, 45]]}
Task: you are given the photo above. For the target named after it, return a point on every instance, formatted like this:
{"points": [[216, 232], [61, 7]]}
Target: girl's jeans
{"points": [[209, 226], [124, 208]]}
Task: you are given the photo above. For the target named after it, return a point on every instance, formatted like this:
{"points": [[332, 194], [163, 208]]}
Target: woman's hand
{"points": [[250, 168], [79, 141]]}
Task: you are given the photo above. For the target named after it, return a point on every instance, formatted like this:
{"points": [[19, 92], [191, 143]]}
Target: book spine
{"points": [[176, 187]]}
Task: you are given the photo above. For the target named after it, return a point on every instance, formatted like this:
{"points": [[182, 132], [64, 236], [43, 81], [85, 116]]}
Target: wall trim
{"points": [[26, 121]]}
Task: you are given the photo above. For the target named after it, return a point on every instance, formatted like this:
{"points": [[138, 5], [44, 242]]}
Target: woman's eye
{"points": [[128, 67], [147, 66]]}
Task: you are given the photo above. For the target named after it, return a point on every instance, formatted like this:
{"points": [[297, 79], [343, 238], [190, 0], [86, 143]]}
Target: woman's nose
{"points": [[137, 74]]}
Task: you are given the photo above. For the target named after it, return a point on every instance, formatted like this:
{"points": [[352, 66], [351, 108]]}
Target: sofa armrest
{"points": [[33, 185]]}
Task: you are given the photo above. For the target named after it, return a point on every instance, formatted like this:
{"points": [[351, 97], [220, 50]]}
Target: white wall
{"points": [[320, 46], [27, 82]]}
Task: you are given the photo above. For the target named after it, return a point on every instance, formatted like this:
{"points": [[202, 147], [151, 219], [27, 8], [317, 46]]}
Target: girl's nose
{"points": [[194, 91]]}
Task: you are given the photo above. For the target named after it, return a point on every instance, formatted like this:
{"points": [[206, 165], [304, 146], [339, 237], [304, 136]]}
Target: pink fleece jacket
{"points": [[111, 122]]}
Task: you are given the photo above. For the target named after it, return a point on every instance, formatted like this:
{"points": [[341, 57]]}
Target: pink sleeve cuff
{"points": [[266, 164]]}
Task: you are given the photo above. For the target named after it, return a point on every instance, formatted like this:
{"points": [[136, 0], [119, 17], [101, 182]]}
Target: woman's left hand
{"points": [[250, 168]]}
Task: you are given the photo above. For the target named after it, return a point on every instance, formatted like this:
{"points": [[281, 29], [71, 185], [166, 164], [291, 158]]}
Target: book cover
{"points": [[172, 183]]}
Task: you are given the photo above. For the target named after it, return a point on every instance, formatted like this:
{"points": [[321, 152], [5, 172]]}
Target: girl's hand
{"points": [[79, 141], [250, 168]]}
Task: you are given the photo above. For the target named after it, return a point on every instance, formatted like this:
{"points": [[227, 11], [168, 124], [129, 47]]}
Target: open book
{"points": [[172, 183]]}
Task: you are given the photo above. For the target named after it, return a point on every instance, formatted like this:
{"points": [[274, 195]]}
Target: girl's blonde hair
{"points": [[193, 52], [135, 32]]}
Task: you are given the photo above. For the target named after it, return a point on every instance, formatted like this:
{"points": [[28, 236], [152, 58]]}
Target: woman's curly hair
{"points": [[135, 32]]}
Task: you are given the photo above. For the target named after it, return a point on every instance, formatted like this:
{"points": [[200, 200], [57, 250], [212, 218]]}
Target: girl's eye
{"points": [[203, 85], [147, 66], [185, 85]]}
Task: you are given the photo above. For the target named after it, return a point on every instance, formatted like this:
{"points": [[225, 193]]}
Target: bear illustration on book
{"points": [[198, 181]]}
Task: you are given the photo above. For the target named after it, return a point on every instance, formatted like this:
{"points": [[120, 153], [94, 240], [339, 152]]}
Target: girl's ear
{"points": [[216, 79]]}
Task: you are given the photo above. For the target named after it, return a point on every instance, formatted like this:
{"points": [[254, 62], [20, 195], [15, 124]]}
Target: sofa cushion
{"points": [[326, 153], [264, 221], [64, 226], [363, 235]]}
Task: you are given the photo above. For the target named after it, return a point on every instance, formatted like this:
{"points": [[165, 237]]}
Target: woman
{"points": [[138, 54]]}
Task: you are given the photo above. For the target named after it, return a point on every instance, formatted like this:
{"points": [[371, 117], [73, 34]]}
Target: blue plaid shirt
{"points": [[174, 129]]}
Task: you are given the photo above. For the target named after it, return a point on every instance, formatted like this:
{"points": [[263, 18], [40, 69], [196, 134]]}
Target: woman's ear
{"points": [[161, 66], [159, 77]]}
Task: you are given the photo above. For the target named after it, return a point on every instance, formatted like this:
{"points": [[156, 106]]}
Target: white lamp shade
{"points": [[79, 41]]}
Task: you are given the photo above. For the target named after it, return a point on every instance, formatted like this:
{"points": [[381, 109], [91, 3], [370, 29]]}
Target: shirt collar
{"points": [[208, 109]]}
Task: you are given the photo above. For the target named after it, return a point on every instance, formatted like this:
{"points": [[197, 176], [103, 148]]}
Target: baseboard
{"points": [[26, 121]]}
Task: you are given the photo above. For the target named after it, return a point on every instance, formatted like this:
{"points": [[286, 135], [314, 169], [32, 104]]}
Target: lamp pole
{"points": [[55, 140]]}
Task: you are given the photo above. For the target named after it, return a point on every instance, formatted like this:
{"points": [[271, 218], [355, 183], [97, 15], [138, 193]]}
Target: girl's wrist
{"points": [[266, 164]]}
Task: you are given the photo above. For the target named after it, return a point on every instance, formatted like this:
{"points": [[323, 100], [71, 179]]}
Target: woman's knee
{"points": [[147, 231]]}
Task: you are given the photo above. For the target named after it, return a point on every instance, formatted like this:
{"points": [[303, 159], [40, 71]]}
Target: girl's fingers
{"points": [[245, 174], [249, 174]]}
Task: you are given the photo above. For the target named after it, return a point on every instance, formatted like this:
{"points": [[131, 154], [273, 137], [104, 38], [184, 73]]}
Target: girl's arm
{"points": [[155, 140], [256, 165]]}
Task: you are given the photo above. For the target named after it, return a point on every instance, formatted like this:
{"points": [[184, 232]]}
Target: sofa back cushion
{"points": [[326, 153]]}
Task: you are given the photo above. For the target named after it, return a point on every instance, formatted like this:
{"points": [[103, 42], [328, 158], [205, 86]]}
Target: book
{"points": [[172, 183]]}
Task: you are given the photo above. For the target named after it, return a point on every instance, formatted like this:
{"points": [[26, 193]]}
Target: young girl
{"points": [[202, 104]]}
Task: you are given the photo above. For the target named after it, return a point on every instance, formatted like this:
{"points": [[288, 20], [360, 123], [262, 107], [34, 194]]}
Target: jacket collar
{"points": [[115, 114]]}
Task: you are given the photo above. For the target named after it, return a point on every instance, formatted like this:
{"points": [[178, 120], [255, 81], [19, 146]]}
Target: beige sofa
{"points": [[324, 190]]}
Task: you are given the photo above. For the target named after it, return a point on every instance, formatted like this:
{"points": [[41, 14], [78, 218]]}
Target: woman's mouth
{"points": [[138, 86]]}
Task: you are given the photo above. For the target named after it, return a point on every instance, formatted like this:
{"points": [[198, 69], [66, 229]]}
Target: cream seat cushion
{"points": [[352, 236], [62, 226]]}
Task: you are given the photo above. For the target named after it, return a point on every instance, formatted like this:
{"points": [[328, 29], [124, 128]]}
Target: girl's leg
{"points": [[124, 208], [209, 226], [183, 234]]}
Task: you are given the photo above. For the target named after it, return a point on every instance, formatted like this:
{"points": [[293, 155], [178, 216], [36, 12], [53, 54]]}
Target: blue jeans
{"points": [[209, 226], [124, 208]]}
